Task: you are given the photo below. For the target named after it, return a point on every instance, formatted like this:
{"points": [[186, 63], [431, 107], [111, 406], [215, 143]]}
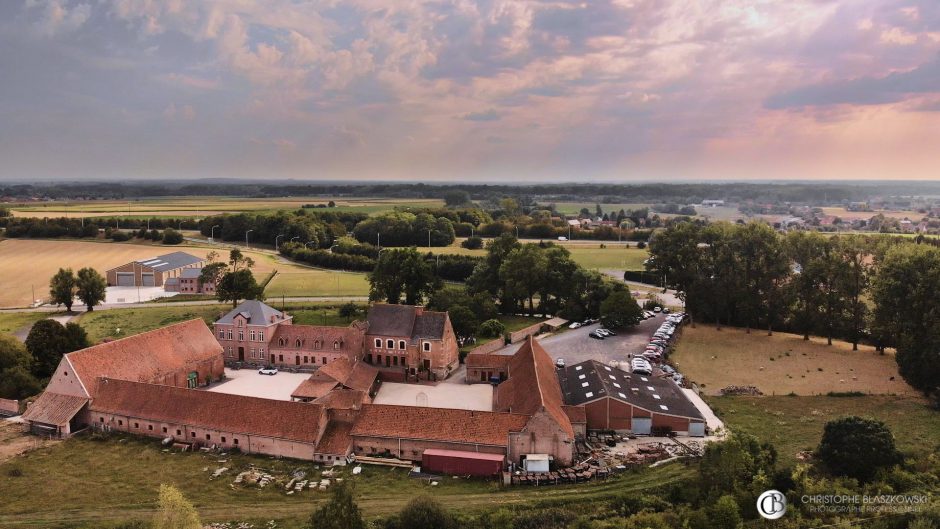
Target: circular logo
{"points": [[772, 504]]}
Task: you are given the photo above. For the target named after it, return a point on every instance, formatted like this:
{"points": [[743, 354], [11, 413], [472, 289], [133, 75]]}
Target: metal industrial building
{"points": [[154, 271]]}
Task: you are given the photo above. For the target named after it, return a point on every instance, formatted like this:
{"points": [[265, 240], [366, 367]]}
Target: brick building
{"points": [[188, 283], [411, 339], [613, 399], [155, 357], [246, 332]]}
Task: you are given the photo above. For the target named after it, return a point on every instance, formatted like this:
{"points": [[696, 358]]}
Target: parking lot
{"points": [[249, 383], [575, 346]]}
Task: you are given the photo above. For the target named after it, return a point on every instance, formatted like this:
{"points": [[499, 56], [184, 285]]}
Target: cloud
{"points": [[488, 115], [55, 17], [924, 79]]}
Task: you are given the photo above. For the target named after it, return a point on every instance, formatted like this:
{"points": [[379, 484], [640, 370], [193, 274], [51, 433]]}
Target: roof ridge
{"points": [[159, 329]]}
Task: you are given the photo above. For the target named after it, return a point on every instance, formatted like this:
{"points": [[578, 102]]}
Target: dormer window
{"points": [[335, 345], [378, 343], [298, 343]]}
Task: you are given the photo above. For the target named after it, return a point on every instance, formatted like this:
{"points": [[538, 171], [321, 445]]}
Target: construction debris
{"points": [[741, 390]]}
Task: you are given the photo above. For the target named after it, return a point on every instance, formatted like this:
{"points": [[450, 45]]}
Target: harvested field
{"points": [[783, 364]]}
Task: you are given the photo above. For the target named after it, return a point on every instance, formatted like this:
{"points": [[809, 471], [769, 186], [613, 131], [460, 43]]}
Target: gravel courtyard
{"points": [[249, 383], [458, 396]]}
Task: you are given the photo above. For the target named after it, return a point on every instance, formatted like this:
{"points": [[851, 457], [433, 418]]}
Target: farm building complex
{"points": [[153, 384], [160, 271]]}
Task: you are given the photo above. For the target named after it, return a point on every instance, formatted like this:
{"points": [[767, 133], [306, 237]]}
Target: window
{"points": [[252, 352], [401, 344], [252, 334], [240, 322], [324, 360], [335, 345], [120, 422], [164, 429], [136, 425], [389, 344], [150, 427], [378, 359], [192, 434], [223, 438], [230, 334], [235, 440], [280, 358], [100, 419], [260, 336], [221, 334], [427, 347], [369, 358], [298, 342], [66, 373], [378, 343], [208, 437], [179, 432], [241, 336], [305, 360], [395, 360], [261, 352], [316, 344]]}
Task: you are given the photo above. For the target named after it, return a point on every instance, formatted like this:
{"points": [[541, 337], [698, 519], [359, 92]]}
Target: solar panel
{"points": [[588, 394], [585, 384]]}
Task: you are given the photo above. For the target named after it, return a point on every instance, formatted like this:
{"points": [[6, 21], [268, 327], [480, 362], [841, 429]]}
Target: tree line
{"points": [[55, 228], [865, 289]]}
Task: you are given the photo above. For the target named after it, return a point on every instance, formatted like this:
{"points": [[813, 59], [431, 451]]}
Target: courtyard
{"points": [[444, 395], [249, 383]]}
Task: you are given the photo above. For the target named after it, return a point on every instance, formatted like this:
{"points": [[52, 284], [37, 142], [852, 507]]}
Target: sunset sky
{"points": [[508, 91]]}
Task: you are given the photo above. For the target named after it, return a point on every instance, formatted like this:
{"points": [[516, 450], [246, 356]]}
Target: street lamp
{"points": [[246, 237], [429, 238], [517, 231], [212, 232], [276, 239], [293, 238], [378, 240]]}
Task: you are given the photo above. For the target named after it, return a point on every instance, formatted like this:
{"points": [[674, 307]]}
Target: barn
{"points": [[153, 271], [626, 402]]}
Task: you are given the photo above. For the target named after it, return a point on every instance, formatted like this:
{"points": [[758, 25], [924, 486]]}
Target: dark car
{"points": [[596, 335]]}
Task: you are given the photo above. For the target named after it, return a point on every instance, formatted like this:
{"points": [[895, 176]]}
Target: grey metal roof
{"points": [[170, 261], [256, 312], [592, 380], [191, 273]]}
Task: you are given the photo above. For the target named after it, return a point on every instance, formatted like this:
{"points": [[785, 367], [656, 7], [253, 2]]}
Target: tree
{"points": [[523, 273], [348, 310], [425, 513], [464, 321], [48, 340], [13, 353], [857, 447], [340, 512], [856, 278], [509, 206], [175, 511], [803, 249], [90, 287], [18, 383], [620, 310], [730, 467], [456, 197], [492, 328], [239, 285], [401, 272], [725, 514], [211, 273], [171, 236], [62, 288]]}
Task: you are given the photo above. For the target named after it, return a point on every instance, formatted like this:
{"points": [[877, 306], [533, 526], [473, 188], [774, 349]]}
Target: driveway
{"points": [[575, 346], [249, 383]]}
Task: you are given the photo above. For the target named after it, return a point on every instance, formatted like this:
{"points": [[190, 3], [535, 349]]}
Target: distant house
{"points": [[713, 203], [907, 226], [154, 271], [188, 283]]}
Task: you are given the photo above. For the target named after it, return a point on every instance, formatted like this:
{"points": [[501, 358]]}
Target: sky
{"points": [[462, 90]]}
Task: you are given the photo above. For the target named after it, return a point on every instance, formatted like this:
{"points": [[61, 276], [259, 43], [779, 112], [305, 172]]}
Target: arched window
{"points": [[316, 344], [280, 341], [378, 343], [390, 344], [335, 345], [298, 342], [401, 344]]}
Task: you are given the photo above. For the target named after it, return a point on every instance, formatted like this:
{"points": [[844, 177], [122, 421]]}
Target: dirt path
{"points": [[14, 442], [21, 333]]}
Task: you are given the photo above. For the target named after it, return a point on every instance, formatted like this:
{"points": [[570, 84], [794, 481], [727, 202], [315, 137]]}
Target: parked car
{"points": [[602, 332], [666, 310], [657, 309], [271, 370], [642, 370], [575, 325], [609, 332], [595, 335], [560, 362]]}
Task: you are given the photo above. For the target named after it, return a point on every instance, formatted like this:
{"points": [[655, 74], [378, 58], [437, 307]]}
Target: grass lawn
{"points": [[10, 322], [793, 424], [299, 281], [783, 363], [95, 483], [103, 324], [588, 255]]}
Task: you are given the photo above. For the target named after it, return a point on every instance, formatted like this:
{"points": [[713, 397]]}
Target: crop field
{"points": [[783, 363], [587, 254], [317, 282], [205, 206], [845, 214], [127, 471], [794, 424]]}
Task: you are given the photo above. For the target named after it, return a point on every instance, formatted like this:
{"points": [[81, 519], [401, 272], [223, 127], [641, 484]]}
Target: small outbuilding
{"points": [[462, 463]]}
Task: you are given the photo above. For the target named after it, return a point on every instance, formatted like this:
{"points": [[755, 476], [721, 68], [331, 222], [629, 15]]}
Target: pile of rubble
{"points": [[581, 472], [297, 481], [271, 524], [253, 476], [741, 390]]}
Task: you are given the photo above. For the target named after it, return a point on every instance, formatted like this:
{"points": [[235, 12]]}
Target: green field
{"points": [[793, 424], [317, 282], [588, 255], [118, 323], [10, 322], [95, 483]]}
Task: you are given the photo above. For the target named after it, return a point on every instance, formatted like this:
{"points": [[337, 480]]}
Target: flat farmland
{"points": [[30, 263], [586, 254], [298, 281], [205, 206], [783, 363], [845, 214]]}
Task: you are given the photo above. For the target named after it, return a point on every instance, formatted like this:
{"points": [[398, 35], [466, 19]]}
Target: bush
{"points": [[857, 447], [492, 328], [473, 243], [119, 236], [171, 236]]}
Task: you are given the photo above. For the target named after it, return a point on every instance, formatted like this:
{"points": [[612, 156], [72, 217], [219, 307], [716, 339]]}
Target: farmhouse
{"points": [[188, 283], [401, 340], [154, 271], [616, 400]]}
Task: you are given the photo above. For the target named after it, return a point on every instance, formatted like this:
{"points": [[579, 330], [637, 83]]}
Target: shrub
{"points": [[857, 447], [171, 236], [473, 243], [492, 328]]}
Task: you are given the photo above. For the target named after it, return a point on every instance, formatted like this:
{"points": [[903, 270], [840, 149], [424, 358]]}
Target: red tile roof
{"points": [[54, 408], [352, 374], [295, 421], [312, 388], [344, 399], [336, 439], [491, 360], [533, 386], [148, 356], [437, 424]]}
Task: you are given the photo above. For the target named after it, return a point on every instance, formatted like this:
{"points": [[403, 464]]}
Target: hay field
{"points": [[783, 363], [844, 214], [29, 263], [205, 206]]}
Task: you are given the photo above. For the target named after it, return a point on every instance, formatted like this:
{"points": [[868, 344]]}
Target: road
{"points": [[81, 308], [669, 297]]}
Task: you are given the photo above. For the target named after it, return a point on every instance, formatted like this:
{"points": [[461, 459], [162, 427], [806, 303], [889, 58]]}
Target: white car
{"points": [[560, 362], [575, 325], [267, 371]]}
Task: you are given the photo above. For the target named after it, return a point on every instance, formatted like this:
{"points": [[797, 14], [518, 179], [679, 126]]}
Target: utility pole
{"points": [[429, 238], [378, 240], [212, 232], [246, 237]]}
